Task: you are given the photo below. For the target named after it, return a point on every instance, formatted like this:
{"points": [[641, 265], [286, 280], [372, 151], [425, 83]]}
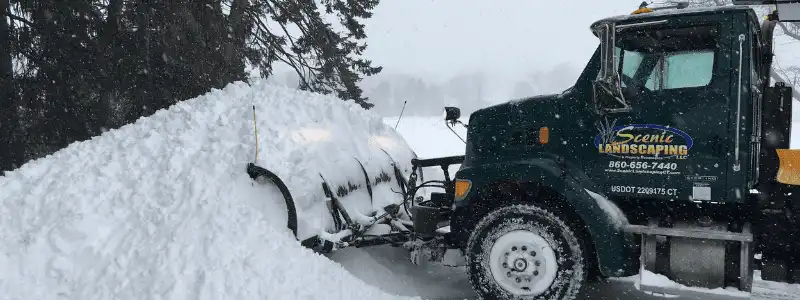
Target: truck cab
{"points": [[669, 134]]}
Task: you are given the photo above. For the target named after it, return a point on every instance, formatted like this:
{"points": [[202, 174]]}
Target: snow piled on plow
{"points": [[163, 208]]}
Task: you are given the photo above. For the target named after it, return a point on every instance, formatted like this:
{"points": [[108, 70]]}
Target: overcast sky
{"points": [[507, 39], [437, 39], [440, 38]]}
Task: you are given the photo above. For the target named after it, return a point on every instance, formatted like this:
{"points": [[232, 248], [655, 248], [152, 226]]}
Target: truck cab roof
{"points": [[673, 13]]}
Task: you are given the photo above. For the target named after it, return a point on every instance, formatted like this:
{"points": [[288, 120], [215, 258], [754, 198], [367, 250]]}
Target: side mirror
{"points": [[607, 88], [452, 114]]}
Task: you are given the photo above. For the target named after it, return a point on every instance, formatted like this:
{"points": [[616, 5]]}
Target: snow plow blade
{"points": [[351, 227], [789, 166], [343, 179]]}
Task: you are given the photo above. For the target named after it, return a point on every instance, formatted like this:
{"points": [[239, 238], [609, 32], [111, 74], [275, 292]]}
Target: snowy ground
{"points": [[389, 268]]}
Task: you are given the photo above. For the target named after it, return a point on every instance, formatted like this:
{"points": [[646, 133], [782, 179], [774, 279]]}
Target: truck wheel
{"points": [[525, 252]]}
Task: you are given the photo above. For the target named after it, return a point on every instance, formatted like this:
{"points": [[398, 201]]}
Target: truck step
{"points": [[690, 233]]}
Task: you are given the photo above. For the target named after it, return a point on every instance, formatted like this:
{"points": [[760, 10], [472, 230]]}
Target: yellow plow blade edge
{"points": [[789, 168]]}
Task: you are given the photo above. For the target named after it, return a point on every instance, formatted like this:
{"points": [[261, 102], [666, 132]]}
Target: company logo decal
{"points": [[643, 141]]}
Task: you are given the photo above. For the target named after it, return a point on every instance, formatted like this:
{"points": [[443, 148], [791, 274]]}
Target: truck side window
{"points": [[654, 80], [671, 70], [631, 61], [688, 69], [657, 59]]}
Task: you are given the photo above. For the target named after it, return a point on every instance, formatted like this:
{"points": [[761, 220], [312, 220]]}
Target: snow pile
{"points": [[649, 279], [774, 290], [163, 208]]}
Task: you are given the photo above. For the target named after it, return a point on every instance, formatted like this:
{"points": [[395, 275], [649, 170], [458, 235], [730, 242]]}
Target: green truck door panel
{"points": [[673, 143]]}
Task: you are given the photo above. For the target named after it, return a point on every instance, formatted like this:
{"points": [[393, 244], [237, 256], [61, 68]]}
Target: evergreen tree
{"points": [[71, 69], [326, 61], [10, 152]]}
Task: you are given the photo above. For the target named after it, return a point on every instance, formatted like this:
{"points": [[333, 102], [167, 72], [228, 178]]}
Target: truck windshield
{"points": [[666, 58]]}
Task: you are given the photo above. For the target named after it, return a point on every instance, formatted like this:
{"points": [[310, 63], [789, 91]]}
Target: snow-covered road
{"points": [[390, 270]]}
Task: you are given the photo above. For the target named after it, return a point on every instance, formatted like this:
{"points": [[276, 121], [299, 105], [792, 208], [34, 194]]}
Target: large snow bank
{"points": [[163, 208]]}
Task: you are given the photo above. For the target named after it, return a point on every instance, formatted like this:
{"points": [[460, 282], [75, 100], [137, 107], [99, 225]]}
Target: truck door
{"points": [[670, 142]]}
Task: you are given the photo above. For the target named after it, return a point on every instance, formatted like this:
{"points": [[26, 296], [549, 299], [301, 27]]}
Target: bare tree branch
{"points": [[778, 77], [789, 32]]}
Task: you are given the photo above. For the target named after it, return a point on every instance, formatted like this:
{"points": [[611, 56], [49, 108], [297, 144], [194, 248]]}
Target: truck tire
{"points": [[524, 251]]}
